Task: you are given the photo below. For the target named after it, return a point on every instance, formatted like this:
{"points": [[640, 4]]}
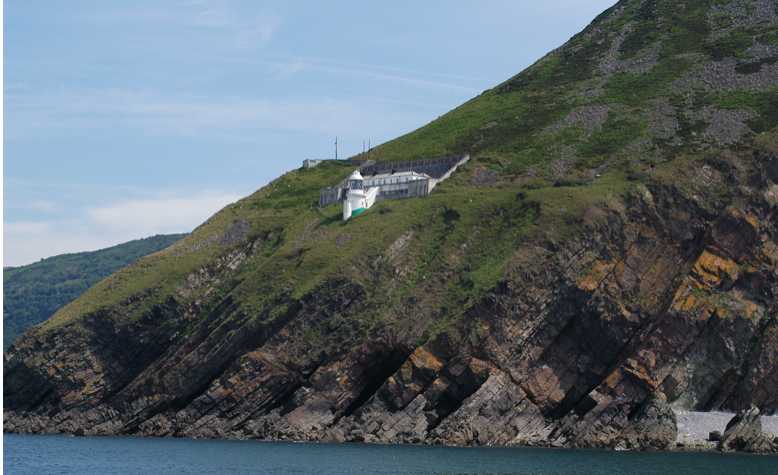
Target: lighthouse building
{"points": [[388, 180], [359, 197]]}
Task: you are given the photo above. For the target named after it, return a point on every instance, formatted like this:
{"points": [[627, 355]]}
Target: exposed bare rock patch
{"points": [[207, 278], [723, 76], [559, 168], [235, 233], [724, 17], [663, 121], [726, 127], [589, 118], [398, 247], [613, 62], [483, 176], [759, 51], [343, 239]]}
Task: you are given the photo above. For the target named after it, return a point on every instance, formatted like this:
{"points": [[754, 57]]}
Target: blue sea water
{"points": [[24, 454]]}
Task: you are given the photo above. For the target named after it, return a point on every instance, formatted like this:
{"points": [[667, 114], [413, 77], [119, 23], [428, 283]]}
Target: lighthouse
{"points": [[358, 197]]}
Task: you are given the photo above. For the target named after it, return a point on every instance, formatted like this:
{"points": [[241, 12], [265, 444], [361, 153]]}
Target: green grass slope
{"points": [[32, 293], [624, 102]]}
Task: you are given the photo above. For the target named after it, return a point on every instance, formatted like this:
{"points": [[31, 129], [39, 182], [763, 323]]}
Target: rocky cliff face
{"points": [[573, 298]]}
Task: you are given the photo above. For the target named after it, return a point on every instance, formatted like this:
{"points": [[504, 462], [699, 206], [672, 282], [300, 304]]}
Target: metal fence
{"points": [[434, 167]]}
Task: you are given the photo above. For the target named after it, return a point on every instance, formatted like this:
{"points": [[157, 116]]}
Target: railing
{"points": [[440, 166]]}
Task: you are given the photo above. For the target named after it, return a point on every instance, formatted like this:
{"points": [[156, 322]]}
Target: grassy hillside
{"points": [[598, 100], [296, 246], [32, 293], [613, 108]]}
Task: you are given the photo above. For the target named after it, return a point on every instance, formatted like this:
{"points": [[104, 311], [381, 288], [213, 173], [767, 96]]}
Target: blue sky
{"points": [[128, 118]]}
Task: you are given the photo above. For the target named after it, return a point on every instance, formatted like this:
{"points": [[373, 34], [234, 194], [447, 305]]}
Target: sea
{"points": [[45, 454]]}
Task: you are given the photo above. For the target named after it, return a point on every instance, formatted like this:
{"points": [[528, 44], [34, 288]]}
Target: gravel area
{"points": [[696, 426]]}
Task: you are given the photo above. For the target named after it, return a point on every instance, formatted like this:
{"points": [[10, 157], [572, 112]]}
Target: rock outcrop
{"points": [[744, 433], [653, 426]]}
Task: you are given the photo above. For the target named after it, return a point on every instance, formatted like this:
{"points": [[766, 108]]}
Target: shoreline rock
{"points": [[656, 430], [655, 426], [744, 434]]}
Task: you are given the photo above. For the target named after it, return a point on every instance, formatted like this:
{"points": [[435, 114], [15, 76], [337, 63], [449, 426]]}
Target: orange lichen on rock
{"points": [[711, 269], [614, 378], [421, 358], [744, 306], [684, 299], [750, 309], [641, 373], [479, 367], [769, 252], [752, 219], [690, 298], [599, 271]]}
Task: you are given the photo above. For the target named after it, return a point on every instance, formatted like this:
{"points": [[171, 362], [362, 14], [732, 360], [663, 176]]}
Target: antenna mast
{"points": [[336, 147]]}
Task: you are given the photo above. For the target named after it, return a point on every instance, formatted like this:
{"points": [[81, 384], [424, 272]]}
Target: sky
{"points": [[125, 119]]}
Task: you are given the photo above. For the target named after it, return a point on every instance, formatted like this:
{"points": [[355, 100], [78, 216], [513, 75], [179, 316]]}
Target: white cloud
{"points": [[160, 215], [243, 28], [77, 111], [102, 226], [24, 243], [246, 31], [430, 80], [424, 80]]}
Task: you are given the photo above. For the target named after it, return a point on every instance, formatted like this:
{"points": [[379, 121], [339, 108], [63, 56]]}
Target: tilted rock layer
{"points": [[620, 261], [744, 432]]}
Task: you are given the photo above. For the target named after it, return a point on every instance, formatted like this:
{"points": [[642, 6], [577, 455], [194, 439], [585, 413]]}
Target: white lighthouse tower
{"points": [[358, 198]]}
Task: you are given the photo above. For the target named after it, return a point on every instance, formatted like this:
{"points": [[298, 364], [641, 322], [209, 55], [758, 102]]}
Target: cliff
{"points": [[608, 255]]}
